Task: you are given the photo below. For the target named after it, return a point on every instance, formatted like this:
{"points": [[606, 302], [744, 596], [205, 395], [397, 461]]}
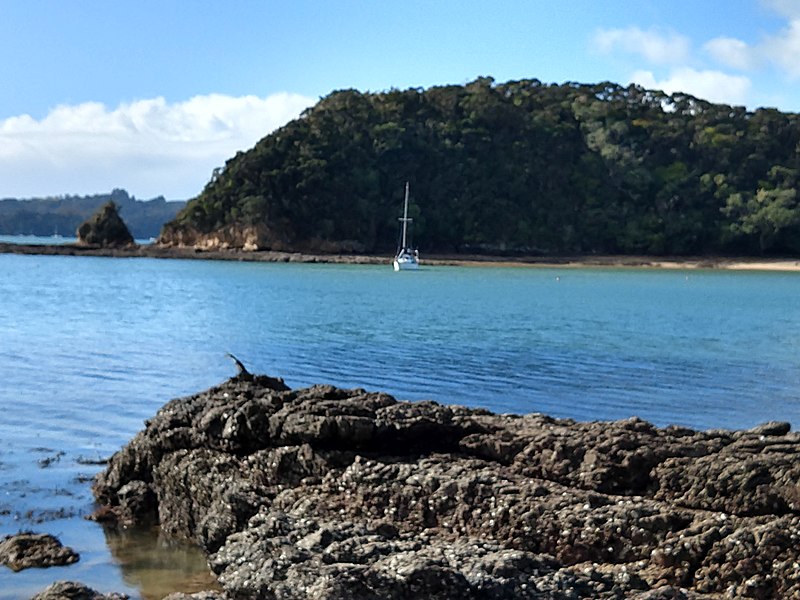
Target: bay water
{"points": [[90, 347]]}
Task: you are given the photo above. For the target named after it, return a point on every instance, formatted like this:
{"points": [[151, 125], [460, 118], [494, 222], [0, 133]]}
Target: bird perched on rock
{"points": [[243, 372]]}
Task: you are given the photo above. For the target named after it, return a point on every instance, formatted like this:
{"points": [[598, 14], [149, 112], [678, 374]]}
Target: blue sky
{"points": [[151, 96]]}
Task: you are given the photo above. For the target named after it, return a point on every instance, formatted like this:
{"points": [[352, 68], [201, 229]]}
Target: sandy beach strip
{"points": [[624, 262]]}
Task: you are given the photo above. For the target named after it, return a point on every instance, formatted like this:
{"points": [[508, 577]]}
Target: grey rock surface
{"points": [[25, 550], [328, 493], [71, 590]]}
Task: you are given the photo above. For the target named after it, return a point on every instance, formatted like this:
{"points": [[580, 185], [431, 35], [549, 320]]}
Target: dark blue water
{"points": [[90, 347]]}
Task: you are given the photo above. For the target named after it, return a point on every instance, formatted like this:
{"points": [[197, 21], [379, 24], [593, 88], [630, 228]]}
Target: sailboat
{"points": [[406, 259]]}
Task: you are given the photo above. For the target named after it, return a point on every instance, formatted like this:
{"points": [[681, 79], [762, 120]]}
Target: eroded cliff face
{"points": [[251, 238], [331, 493], [230, 237]]}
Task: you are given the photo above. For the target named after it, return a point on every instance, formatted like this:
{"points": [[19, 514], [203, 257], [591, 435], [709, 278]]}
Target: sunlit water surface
{"points": [[90, 347]]}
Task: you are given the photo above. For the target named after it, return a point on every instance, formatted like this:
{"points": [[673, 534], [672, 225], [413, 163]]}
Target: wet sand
{"points": [[153, 251]]}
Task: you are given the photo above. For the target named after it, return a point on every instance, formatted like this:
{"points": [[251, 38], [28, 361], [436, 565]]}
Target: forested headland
{"points": [[63, 214], [519, 167]]}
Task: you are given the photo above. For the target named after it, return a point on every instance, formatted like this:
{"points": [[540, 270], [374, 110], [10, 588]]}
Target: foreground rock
{"points": [[26, 550], [330, 493], [105, 229], [71, 590]]}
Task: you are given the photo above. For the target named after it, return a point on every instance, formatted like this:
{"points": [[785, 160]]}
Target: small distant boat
{"points": [[406, 259]]}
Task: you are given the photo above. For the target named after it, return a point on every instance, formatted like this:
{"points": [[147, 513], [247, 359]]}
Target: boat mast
{"points": [[405, 219]]}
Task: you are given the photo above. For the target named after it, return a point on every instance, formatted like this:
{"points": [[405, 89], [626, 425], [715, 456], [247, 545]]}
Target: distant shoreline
{"points": [[612, 261]]}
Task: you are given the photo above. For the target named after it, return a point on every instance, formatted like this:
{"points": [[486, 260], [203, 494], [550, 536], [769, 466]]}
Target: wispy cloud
{"points": [[783, 48], [780, 48], [655, 45], [669, 58], [732, 53], [786, 8], [720, 69], [150, 147]]}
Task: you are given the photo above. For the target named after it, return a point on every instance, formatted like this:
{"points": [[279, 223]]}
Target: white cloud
{"points": [[714, 86], [783, 48], [656, 46], [149, 147], [732, 53], [725, 69], [787, 8]]}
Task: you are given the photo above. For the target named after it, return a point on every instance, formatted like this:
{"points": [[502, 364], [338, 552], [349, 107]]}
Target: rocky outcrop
{"points": [[251, 238], [331, 493], [26, 550], [105, 229], [71, 590]]}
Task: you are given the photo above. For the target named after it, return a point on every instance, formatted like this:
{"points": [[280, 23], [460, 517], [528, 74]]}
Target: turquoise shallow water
{"points": [[90, 347]]}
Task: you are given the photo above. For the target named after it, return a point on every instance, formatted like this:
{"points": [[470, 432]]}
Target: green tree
{"points": [[769, 214]]}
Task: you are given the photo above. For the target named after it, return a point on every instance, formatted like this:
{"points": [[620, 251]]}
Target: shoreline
{"points": [[605, 261]]}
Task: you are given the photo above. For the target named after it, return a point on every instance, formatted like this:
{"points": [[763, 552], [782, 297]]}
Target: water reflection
{"points": [[158, 566]]}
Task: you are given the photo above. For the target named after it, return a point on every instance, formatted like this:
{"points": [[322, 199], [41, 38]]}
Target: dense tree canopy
{"points": [[519, 167]]}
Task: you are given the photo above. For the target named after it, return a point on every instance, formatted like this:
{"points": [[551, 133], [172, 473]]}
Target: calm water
{"points": [[90, 347], [38, 240]]}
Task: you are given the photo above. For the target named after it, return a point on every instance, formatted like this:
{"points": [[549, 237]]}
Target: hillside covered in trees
{"points": [[518, 167], [63, 214]]}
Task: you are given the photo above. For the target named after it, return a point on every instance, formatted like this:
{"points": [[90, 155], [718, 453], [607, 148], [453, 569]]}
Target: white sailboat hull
{"points": [[405, 263]]}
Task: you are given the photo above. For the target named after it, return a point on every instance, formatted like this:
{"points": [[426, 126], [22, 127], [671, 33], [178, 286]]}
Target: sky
{"points": [[151, 96]]}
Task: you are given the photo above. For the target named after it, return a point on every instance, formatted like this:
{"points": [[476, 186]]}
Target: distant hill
{"points": [[63, 214], [518, 167]]}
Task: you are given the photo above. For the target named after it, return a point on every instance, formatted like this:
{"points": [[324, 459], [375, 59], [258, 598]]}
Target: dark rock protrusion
{"points": [[105, 229], [26, 550], [243, 372]]}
